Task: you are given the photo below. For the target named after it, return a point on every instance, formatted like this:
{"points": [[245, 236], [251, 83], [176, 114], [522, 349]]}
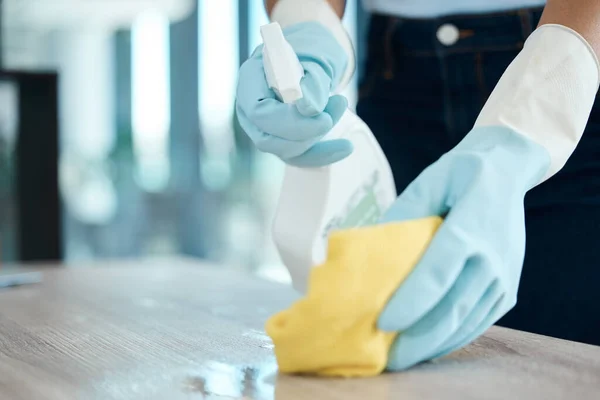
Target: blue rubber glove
{"points": [[468, 277], [293, 132]]}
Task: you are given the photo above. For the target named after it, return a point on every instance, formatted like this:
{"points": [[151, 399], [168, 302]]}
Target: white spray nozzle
{"points": [[282, 67]]}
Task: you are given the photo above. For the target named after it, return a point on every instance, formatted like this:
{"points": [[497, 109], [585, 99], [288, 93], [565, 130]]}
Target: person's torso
{"points": [[436, 8]]}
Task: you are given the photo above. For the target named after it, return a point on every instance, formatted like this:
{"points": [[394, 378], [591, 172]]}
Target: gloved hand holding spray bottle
{"points": [[352, 192]]}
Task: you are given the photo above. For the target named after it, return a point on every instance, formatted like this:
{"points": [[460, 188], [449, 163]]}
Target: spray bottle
{"points": [[353, 192]]}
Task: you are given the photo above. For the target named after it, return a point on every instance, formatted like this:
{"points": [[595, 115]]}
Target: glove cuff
{"points": [[290, 12], [547, 92]]}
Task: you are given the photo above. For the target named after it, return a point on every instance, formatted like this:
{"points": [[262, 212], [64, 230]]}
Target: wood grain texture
{"points": [[181, 330]]}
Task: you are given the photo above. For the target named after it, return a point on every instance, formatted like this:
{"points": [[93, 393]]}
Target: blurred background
{"points": [[147, 155]]}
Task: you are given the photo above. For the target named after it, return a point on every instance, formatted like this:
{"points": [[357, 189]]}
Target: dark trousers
{"points": [[421, 97]]}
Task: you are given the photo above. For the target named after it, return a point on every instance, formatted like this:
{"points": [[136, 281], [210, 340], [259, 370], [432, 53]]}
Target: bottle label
{"points": [[362, 209]]}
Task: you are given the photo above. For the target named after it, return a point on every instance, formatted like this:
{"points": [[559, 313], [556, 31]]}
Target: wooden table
{"points": [[182, 330]]}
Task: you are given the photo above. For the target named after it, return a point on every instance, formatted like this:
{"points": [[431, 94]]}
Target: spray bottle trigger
{"points": [[282, 67]]}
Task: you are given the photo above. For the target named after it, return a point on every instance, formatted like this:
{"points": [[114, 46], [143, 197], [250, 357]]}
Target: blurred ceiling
{"points": [[27, 25], [86, 14]]}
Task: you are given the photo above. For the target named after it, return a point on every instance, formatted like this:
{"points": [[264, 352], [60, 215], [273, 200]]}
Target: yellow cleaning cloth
{"points": [[332, 330]]}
